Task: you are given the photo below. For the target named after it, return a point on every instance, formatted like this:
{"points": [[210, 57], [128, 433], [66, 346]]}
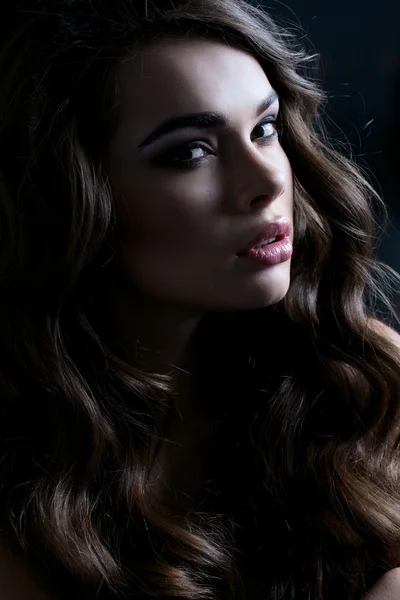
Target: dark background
{"points": [[359, 44]]}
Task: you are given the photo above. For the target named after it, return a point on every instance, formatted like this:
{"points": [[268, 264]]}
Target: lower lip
{"points": [[272, 254]]}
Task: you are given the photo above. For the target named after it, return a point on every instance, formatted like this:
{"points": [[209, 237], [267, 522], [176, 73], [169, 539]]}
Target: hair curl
{"points": [[305, 498]]}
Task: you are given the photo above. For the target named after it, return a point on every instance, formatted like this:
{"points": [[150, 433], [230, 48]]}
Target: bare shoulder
{"points": [[386, 588], [17, 580], [391, 334]]}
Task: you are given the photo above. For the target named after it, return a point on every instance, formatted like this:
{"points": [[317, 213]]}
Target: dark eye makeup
{"points": [[180, 156]]}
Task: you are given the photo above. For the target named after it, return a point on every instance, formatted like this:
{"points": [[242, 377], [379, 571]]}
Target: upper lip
{"points": [[279, 227]]}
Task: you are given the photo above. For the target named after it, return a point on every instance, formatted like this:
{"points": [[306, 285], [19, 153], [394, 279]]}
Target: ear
{"points": [[386, 588]]}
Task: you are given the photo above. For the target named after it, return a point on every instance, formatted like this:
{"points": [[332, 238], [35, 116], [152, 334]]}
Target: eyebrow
{"points": [[200, 120]]}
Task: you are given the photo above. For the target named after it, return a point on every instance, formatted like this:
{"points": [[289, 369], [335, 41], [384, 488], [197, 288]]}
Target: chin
{"points": [[245, 304], [263, 300], [255, 295], [269, 287]]}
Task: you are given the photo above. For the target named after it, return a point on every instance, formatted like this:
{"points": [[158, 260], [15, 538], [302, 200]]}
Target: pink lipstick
{"points": [[272, 245]]}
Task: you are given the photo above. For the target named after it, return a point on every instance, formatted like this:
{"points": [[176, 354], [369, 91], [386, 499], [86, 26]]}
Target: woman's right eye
{"points": [[183, 156]]}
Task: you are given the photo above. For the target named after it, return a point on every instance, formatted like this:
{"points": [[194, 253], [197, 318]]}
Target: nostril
{"points": [[262, 198]]}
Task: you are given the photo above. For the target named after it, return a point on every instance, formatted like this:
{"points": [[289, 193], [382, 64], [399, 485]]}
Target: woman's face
{"points": [[198, 172]]}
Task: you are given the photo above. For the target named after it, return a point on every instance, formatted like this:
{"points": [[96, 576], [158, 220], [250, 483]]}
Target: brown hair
{"points": [[305, 500]]}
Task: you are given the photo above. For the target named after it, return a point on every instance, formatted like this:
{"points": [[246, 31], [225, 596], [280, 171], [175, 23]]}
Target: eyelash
{"points": [[165, 159]]}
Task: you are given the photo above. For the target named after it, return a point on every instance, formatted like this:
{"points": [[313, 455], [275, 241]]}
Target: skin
{"points": [[181, 228], [386, 588]]}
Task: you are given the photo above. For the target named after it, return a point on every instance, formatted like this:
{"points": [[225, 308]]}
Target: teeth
{"points": [[265, 243]]}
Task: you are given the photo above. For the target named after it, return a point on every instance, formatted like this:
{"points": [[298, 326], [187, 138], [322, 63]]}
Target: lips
{"points": [[277, 229]]}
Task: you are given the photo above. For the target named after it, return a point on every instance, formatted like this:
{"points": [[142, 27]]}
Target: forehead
{"points": [[195, 74]]}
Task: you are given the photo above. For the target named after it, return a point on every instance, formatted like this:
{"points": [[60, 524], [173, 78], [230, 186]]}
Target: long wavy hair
{"points": [[304, 489]]}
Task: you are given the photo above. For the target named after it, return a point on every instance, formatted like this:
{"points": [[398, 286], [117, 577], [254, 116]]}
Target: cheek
{"points": [[161, 238], [161, 213], [287, 168], [289, 186]]}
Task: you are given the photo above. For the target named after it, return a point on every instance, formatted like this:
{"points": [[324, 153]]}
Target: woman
{"points": [[197, 398]]}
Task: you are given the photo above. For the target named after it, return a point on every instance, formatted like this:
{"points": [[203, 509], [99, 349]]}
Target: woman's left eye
{"points": [[269, 127]]}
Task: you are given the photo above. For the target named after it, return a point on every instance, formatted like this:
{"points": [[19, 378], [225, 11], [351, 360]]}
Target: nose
{"points": [[257, 176]]}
